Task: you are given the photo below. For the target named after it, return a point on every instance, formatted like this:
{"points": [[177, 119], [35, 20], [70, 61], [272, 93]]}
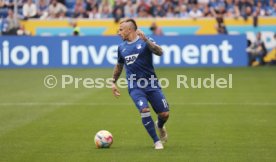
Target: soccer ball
{"points": [[103, 139]]}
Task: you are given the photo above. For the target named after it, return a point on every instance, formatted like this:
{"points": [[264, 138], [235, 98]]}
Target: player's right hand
{"points": [[141, 34], [115, 90]]}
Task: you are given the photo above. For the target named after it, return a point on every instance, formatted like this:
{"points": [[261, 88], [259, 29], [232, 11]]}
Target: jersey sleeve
{"points": [[152, 40], [120, 59]]}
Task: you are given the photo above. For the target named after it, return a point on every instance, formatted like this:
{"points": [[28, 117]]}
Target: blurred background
{"points": [[78, 38], [256, 19]]}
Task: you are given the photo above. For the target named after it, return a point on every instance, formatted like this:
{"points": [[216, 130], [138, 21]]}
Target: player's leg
{"points": [[161, 107], [162, 119], [150, 127], [140, 100]]}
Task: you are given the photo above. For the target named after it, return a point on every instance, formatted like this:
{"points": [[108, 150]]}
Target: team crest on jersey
{"points": [[138, 46], [131, 58], [140, 103]]}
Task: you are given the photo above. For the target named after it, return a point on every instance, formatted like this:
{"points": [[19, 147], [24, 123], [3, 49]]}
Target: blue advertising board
{"points": [[101, 51]]}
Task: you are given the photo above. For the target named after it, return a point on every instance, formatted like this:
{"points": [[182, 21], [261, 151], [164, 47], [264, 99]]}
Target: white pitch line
{"points": [[128, 104]]}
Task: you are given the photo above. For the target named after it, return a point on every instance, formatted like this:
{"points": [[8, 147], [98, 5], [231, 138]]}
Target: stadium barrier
{"points": [[101, 51], [169, 26]]}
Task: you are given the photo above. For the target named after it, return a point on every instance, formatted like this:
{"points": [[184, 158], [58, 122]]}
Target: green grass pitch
{"points": [[38, 124]]}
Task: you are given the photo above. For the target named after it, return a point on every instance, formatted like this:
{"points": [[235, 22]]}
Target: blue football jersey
{"points": [[138, 60]]}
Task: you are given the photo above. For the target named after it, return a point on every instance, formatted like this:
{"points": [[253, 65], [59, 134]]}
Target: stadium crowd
{"points": [[117, 9], [96, 9]]}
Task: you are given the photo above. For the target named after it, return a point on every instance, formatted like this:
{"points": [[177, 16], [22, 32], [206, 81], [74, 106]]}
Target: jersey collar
{"points": [[136, 39]]}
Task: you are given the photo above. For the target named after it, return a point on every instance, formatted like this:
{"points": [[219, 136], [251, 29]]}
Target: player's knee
{"points": [[145, 113], [144, 110], [164, 115]]}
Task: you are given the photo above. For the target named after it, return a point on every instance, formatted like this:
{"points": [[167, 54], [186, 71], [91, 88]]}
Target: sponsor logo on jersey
{"points": [[130, 59]]}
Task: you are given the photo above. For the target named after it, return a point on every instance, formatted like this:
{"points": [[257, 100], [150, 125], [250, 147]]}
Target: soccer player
{"points": [[135, 53]]}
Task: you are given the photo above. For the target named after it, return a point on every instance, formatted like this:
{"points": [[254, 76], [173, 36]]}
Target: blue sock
{"points": [[149, 125], [161, 122]]}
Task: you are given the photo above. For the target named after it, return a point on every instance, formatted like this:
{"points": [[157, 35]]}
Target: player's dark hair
{"points": [[132, 21]]}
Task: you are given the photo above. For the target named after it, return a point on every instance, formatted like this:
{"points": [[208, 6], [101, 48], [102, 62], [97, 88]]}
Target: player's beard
{"points": [[126, 38], [123, 38]]}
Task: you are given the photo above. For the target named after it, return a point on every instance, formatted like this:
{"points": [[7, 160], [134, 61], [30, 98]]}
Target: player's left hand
{"points": [[115, 90], [141, 34]]}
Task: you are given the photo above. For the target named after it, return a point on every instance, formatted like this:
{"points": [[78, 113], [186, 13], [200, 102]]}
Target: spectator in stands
{"points": [[29, 10], [203, 2], [79, 10], [42, 9], [245, 8], [2, 3], [21, 31], [206, 11], [132, 13], [170, 13], [176, 2], [195, 12], [183, 13], [130, 9], [269, 8], [160, 12], [143, 9], [57, 9], [94, 14], [143, 14], [193, 2], [118, 10], [218, 8], [118, 15], [105, 12], [62, 1], [7, 4], [232, 9], [213, 5], [257, 50], [259, 10], [167, 5], [11, 24], [274, 11], [156, 30], [182, 2], [91, 4], [105, 9], [153, 7]]}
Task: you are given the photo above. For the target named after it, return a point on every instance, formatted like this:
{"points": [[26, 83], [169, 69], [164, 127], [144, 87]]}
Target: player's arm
{"points": [[156, 49], [116, 74]]}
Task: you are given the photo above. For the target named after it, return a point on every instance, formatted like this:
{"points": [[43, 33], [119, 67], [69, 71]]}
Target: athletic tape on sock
{"points": [[146, 114]]}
